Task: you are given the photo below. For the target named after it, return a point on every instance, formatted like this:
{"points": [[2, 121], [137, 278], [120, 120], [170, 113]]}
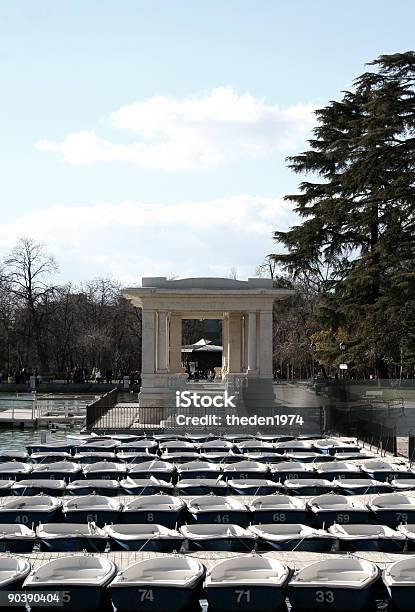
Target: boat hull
{"points": [[389, 545], [311, 490], [370, 490], [281, 516], [201, 490], [165, 545], [146, 490], [152, 597], [300, 544], [73, 544], [15, 545], [293, 476], [99, 517], [255, 490], [76, 597], [159, 474], [44, 489], [249, 598], [402, 597], [394, 518], [233, 544], [89, 490], [199, 474], [342, 517], [66, 476], [323, 597], [28, 517], [244, 475], [223, 517], [167, 518]]}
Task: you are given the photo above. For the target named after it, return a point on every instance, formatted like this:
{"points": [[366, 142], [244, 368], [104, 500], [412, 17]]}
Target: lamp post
{"points": [[343, 366]]}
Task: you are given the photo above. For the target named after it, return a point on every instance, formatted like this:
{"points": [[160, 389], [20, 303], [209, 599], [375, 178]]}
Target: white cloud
{"points": [[134, 239], [191, 133]]}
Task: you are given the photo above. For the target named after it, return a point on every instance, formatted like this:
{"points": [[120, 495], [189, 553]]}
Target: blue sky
{"points": [[142, 138]]}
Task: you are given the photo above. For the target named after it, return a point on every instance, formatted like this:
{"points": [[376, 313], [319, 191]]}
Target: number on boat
{"points": [[243, 596], [324, 597], [146, 594]]}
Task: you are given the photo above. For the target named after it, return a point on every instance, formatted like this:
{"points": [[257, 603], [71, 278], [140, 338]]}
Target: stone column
{"points": [[162, 341], [265, 344], [225, 344], [235, 343], [175, 343], [148, 341], [252, 342]]}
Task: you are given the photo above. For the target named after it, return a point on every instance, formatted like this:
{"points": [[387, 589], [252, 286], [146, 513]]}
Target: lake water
{"points": [[13, 438]]}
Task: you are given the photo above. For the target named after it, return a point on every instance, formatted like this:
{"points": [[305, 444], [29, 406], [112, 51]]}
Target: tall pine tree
{"points": [[358, 217]]}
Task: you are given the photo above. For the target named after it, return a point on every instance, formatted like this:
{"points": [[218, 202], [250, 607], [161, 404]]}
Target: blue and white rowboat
{"points": [[36, 486], [88, 486], [82, 578], [155, 509], [245, 469], [13, 571], [156, 538], [393, 509], [336, 584], [14, 470], [201, 486], [218, 510], [96, 509], [368, 537], [169, 583], [71, 537], [331, 508], [257, 486], [208, 536], [278, 509], [145, 486], [399, 580], [30, 510], [15, 538], [292, 536], [250, 583]]}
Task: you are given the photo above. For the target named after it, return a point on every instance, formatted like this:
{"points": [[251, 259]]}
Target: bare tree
{"points": [[29, 268]]}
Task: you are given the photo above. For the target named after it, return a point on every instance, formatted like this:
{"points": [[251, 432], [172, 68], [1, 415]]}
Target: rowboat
{"points": [[66, 537], [250, 583], [399, 580], [337, 584], [155, 509], [88, 486], [131, 536], [96, 509], [210, 536], [392, 509], [202, 486], [278, 509], [160, 584], [16, 538], [13, 571], [292, 536], [145, 486], [30, 510], [368, 537], [80, 579], [218, 510], [36, 486], [331, 508]]}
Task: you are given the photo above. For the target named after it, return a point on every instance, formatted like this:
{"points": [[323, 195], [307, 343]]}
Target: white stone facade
{"points": [[245, 308]]}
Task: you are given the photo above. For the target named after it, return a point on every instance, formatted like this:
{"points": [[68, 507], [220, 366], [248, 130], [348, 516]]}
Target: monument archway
{"points": [[244, 307]]}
